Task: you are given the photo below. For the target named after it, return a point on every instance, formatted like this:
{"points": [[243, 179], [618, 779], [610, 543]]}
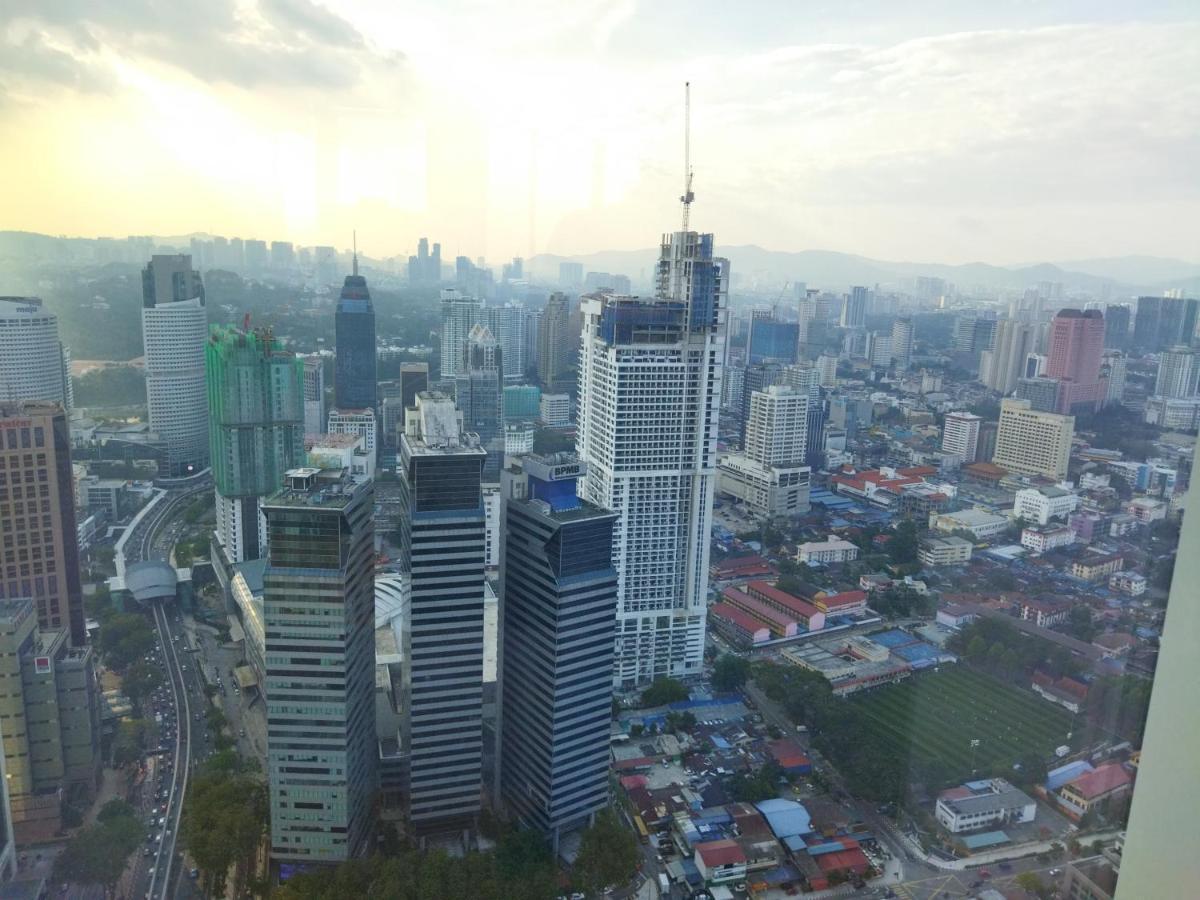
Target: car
{"points": [[194, 874], [1005, 867], [1055, 873]]}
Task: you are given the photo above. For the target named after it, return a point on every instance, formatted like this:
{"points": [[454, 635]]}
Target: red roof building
{"points": [[742, 567], [851, 859], [1079, 795], [737, 625], [780, 623], [807, 614], [847, 603], [789, 756], [722, 860]]}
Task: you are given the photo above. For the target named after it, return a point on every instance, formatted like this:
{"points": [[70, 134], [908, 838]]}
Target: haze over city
{"points": [[1004, 132]]}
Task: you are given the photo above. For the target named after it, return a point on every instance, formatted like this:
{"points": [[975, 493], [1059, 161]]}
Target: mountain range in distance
{"points": [[1114, 277], [756, 268]]}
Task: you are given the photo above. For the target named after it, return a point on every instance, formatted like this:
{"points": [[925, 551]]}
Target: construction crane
{"points": [[688, 196], [779, 299]]}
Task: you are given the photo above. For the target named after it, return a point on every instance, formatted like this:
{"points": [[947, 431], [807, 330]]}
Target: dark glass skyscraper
{"points": [[354, 327], [558, 621], [479, 394], [772, 340], [1116, 327], [443, 543]]}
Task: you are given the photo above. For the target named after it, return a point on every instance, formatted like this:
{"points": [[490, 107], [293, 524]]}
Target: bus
{"points": [[643, 834]]}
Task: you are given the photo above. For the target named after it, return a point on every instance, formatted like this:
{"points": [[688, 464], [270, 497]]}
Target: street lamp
{"points": [[974, 744]]}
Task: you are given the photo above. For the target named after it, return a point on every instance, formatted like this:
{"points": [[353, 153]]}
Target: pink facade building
{"points": [[1076, 352]]}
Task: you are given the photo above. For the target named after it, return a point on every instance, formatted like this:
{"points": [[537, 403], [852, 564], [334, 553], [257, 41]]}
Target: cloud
{"points": [[272, 43]]}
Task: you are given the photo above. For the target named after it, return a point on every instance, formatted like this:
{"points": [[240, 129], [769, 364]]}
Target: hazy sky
{"points": [[1004, 130]]}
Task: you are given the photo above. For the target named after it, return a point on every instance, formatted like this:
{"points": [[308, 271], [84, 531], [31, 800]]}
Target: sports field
{"points": [[934, 716]]}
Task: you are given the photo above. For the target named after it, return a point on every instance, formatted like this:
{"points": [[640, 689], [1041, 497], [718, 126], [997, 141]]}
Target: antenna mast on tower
{"points": [[688, 196], [354, 237]]}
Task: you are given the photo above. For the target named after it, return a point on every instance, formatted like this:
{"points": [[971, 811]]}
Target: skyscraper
{"points": [[318, 613], [960, 435], [1116, 327], [354, 376], [507, 324], [479, 395], [570, 274], [554, 350], [256, 431], [1076, 347], [174, 333], [1163, 322], [460, 314], [756, 378], [777, 430], [559, 591], [34, 364], [650, 388], [425, 268], [442, 540], [772, 340], [854, 308], [314, 395], [414, 378], [40, 555], [1030, 442], [1000, 367], [1112, 370], [902, 342], [1178, 371]]}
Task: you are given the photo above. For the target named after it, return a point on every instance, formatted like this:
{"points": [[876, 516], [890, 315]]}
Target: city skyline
{"points": [[1005, 135]]}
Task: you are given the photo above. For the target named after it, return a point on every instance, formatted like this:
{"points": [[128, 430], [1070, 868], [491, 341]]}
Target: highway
{"points": [[156, 871]]}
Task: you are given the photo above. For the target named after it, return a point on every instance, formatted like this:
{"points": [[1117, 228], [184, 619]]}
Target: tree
{"points": [[1080, 623], [97, 855], [902, 548], [663, 691], [139, 681], [224, 821], [115, 809], [129, 740], [730, 672], [762, 785], [608, 854], [124, 639]]}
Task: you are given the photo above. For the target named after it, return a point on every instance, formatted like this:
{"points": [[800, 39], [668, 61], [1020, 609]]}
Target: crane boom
{"points": [[688, 196]]}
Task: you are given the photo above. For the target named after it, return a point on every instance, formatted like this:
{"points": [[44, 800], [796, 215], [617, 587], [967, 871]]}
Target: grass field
{"points": [[934, 716]]}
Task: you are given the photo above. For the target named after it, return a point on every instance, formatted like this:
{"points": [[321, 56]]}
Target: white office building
{"points": [[777, 429], [960, 435], [356, 421], [554, 410], [649, 392], [174, 333], [314, 395], [34, 364], [1178, 371], [902, 343], [1041, 504], [827, 370], [460, 314]]}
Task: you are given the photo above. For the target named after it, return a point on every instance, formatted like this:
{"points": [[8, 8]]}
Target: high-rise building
{"points": [[507, 324], [34, 364], [426, 267], [361, 422], [902, 343], [414, 378], [174, 333], [1000, 367], [460, 314], [554, 349], [522, 402], [827, 370], [325, 263], [854, 308], [1116, 327], [1112, 371], [256, 256], [318, 615], [758, 377], [1178, 372], [37, 508], [1076, 348], [1030, 442], [1163, 322], [283, 255], [777, 430], [559, 592], [877, 349], [354, 375], [1044, 394], [772, 340], [443, 545], [650, 388], [479, 396], [570, 274], [50, 704], [960, 435], [314, 395], [256, 431]]}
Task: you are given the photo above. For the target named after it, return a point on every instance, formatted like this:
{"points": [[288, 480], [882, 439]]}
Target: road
{"points": [[154, 873]]}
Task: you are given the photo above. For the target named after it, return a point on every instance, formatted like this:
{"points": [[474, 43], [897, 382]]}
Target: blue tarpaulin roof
{"points": [[920, 652], [893, 638], [986, 839], [719, 742], [1056, 778], [786, 817]]}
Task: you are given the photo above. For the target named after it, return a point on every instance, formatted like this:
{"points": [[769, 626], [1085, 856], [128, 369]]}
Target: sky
{"points": [[1004, 131]]}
